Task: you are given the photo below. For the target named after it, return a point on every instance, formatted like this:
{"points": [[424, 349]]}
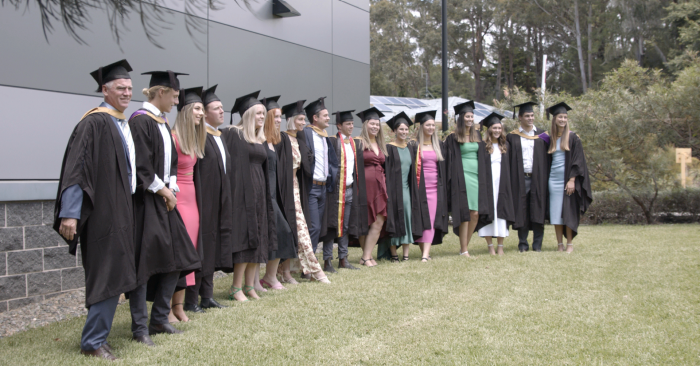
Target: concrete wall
{"points": [[45, 87]]}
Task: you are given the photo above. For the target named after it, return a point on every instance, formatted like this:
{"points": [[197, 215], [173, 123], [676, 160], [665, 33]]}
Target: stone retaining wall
{"points": [[34, 260]]}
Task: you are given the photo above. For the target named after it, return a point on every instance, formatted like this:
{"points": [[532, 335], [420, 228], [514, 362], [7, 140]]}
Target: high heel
{"points": [[231, 292], [363, 261], [394, 258], [277, 286], [247, 289], [322, 280], [405, 258]]}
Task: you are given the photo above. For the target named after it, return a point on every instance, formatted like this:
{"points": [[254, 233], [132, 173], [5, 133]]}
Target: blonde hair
{"points": [[489, 141], [435, 141], [554, 131], [291, 126], [151, 93], [271, 131], [364, 137], [461, 130], [247, 126], [190, 136]]}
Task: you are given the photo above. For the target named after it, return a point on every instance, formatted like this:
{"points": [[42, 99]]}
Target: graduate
{"points": [[402, 205], [94, 204], [286, 245], [346, 205], [319, 167], [163, 248], [290, 153], [529, 172], [498, 211], [215, 210], [254, 232], [569, 186], [374, 156], [465, 162], [431, 180]]}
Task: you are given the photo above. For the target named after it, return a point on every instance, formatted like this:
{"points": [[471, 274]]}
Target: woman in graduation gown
{"points": [[374, 155], [290, 158], [189, 135], [463, 156], [498, 211], [431, 176], [254, 229], [570, 192], [286, 245], [401, 186]]}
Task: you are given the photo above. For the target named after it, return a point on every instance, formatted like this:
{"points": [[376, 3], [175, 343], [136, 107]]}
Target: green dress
{"points": [[470, 165], [405, 157]]}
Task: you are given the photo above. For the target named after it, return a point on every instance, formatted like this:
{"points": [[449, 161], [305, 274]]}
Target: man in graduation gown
{"points": [[529, 172], [163, 248], [93, 204], [346, 205], [215, 211], [319, 165]]}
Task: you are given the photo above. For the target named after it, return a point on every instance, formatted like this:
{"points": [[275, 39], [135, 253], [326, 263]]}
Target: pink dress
{"points": [[430, 173], [187, 198]]}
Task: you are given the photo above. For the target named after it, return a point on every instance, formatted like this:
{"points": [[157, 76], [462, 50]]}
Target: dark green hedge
{"points": [[675, 206]]}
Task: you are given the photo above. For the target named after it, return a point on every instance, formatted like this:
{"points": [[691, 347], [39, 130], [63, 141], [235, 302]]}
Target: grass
{"points": [[628, 295]]}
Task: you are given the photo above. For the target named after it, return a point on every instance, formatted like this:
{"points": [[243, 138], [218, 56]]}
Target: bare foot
{"points": [[253, 294], [560, 247], [465, 254], [172, 319], [500, 250], [179, 313], [491, 250], [569, 248], [240, 296], [259, 288]]}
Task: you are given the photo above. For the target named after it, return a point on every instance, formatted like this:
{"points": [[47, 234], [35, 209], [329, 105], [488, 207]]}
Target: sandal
{"points": [[405, 258], [425, 260], [363, 261], [394, 258], [231, 292]]}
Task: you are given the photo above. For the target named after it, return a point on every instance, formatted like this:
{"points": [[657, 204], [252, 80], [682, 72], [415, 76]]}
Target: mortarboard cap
{"points": [[164, 78], [315, 107], [398, 119], [558, 109], [465, 107], [189, 96], [344, 116], [243, 103], [293, 109], [426, 116], [270, 102], [492, 119], [371, 113], [105, 74], [208, 96], [524, 108]]}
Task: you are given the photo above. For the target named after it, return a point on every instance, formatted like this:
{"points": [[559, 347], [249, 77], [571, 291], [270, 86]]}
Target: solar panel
{"points": [[407, 101], [381, 107], [373, 100], [383, 100], [394, 101]]}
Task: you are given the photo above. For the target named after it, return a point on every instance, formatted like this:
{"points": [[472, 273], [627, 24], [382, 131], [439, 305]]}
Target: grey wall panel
{"points": [[362, 4], [34, 130], [311, 29], [350, 32], [350, 86], [64, 65]]}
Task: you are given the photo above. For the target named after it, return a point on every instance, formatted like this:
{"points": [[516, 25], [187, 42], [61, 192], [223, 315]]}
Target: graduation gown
{"points": [[539, 196], [504, 205], [575, 166], [420, 210], [162, 242], [285, 185], [215, 210], [458, 203], [306, 173], [395, 225], [358, 225], [245, 226], [95, 160]]}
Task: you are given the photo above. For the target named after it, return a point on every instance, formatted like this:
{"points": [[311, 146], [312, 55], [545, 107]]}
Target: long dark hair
{"points": [[461, 130], [501, 141]]}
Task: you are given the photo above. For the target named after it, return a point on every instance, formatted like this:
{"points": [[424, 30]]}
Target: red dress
{"points": [[187, 198], [375, 184]]}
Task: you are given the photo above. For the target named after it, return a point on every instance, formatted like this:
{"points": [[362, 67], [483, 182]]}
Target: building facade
{"points": [[45, 87]]}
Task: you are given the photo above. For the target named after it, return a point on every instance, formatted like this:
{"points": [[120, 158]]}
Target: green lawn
{"points": [[627, 295]]}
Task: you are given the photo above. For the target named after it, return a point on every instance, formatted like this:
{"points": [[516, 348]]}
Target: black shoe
{"points": [[162, 328], [193, 308], [101, 352], [523, 248], [328, 266], [210, 303], [145, 340], [344, 263]]}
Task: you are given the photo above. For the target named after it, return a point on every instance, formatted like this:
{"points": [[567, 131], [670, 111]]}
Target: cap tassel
{"points": [[99, 79]]}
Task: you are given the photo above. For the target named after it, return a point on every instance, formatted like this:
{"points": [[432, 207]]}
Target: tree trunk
{"points": [[590, 45], [498, 72], [510, 67], [579, 48]]}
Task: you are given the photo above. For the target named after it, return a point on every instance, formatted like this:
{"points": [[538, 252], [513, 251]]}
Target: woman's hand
{"points": [[570, 186]]}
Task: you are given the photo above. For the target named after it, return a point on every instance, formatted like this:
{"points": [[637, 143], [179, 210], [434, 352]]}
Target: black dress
{"points": [[285, 240], [257, 156]]}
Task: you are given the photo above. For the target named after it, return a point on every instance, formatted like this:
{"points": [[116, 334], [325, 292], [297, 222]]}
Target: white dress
{"points": [[499, 227]]}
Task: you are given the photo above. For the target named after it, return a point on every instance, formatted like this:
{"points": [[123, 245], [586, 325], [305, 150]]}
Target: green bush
{"points": [[672, 206]]}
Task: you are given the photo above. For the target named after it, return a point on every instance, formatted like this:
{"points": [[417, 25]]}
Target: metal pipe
{"points": [[444, 67]]}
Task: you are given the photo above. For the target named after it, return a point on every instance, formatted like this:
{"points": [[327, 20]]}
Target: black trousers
{"points": [[537, 229], [203, 286], [165, 287]]}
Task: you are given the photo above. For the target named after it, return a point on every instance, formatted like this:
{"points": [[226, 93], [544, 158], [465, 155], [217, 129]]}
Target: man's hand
{"points": [[169, 198], [68, 228]]}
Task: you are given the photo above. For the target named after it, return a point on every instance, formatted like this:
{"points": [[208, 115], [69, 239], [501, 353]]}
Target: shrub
{"points": [[671, 206]]}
